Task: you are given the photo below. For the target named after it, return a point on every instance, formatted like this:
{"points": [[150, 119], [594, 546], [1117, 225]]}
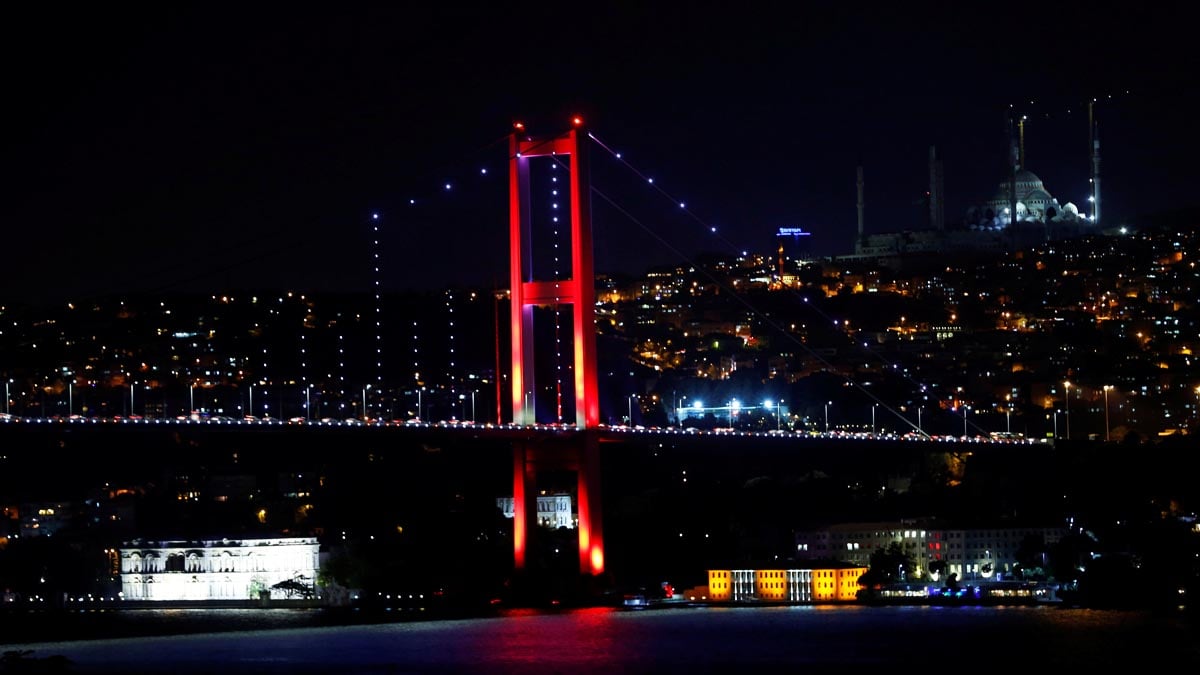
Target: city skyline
{"points": [[195, 150], [1110, 320]]}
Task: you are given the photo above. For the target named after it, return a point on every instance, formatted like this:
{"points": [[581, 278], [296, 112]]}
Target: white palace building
{"points": [[225, 569]]}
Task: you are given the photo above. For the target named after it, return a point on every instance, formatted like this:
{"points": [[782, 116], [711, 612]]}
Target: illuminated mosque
{"points": [[987, 227], [1034, 204]]}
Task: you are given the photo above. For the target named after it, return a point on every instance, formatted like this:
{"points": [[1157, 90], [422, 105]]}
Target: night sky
{"points": [[212, 147]]}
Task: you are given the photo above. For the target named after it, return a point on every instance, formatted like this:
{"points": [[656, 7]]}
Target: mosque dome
{"points": [[1037, 196], [1031, 195], [1027, 176]]}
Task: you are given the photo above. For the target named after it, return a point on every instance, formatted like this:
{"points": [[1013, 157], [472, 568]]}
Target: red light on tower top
{"points": [[577, 121], [519, 126]]}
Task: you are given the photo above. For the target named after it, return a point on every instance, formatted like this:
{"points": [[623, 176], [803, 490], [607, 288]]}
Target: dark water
{"points": [[686, 640]]}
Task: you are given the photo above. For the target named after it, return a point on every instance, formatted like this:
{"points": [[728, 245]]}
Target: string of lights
{"points": [[558, 360], [377, 281]]}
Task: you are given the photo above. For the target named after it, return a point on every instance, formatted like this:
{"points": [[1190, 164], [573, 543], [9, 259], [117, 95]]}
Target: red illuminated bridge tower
{"points": [[580, 455]]}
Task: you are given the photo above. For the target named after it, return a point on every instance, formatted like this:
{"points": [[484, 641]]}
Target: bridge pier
{"points": [[579, 454]]}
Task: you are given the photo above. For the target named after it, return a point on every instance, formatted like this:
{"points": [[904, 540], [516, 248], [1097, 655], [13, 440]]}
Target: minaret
{"points": [[1021, 142], [937, 213], [1014, 162], [860, 203]]}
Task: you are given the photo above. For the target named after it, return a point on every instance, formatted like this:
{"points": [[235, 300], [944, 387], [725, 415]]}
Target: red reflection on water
{"points": [[526, 637]]}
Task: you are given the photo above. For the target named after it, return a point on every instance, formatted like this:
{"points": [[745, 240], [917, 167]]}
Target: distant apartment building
{"points": [[223, 569], [44, 519], [983, 553]]}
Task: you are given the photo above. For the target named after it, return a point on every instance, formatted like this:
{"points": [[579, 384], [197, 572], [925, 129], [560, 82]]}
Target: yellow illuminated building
{"points": [[785, 585]]}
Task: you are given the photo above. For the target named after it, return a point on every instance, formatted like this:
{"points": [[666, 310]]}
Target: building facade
{"points": [[971, 554], [796, 585], [553, 510], [216, 570]]}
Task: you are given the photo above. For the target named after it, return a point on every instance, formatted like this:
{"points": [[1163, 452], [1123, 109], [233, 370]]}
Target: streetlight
{"points": [[1106, 388], [250, 407], [472, 406], [7, 395], [1067, 406], [364, 402], [733, 406], [919, 429], [965, 408], [1008, 413], [191, 397], [873, 406], [827, 403], [771, 404], [70, 399], [629, 405]]}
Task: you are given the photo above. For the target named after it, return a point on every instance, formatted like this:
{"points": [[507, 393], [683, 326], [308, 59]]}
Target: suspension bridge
{"points": [[552, 336]]}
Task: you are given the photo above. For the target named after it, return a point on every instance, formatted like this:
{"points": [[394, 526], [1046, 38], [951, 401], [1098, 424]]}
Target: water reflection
{"points": [[692, 641]]}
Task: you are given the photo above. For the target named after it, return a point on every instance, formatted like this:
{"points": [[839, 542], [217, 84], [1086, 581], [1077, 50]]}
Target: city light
{"points": [[1106, 388], [1067, 407]]}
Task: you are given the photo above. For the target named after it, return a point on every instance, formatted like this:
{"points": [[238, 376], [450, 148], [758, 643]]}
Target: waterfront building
{"points": [[792, 585], [969, 553], [553, 510], [225, 569]]}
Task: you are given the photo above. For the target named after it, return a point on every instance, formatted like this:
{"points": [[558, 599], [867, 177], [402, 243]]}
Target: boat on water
{"points": [[982, 593]]}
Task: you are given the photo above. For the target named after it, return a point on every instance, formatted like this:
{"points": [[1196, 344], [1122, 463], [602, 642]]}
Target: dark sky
{"points": [[205, 146]]}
